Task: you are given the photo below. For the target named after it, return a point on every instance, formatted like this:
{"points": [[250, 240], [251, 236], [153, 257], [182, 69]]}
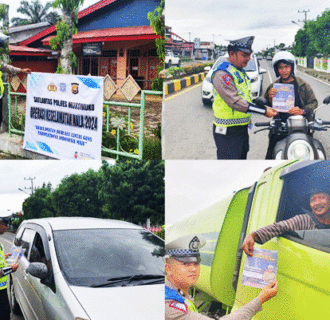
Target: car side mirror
{"points": [[38, 270], [326, 100], [261, 71]]}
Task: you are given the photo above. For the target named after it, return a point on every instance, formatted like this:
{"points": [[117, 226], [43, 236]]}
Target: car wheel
{"points": [[14, 306], [179, 64], [169, 64], [207, 102]]}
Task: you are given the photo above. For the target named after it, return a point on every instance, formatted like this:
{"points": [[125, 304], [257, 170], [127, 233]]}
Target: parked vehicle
{"points": [[252, 69], [298, 143], [281, 193], [269, 58], [171, 59], [85, 268]]}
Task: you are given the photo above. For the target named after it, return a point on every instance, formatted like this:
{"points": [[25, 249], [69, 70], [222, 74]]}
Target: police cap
{"points": [[244, 44], [185, 249]]}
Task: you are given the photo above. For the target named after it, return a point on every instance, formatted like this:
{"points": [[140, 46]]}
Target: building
{"points": [[178, 44], [114, 37]]}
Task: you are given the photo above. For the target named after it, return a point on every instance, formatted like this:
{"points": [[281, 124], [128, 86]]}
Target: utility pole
{"points": [[31, 179], [303, 11]]}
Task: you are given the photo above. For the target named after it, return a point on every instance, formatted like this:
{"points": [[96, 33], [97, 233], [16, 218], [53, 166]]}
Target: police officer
{"points": [[232, 104], [4, 271], [182, 268], [7, 68]]}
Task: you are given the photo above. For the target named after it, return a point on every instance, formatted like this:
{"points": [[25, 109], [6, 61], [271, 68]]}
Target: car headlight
{"points": [[300, 149]]}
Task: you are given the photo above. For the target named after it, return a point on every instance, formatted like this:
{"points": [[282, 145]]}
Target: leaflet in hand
{"points": [[284, 99], [16, 254], [260, 269]]}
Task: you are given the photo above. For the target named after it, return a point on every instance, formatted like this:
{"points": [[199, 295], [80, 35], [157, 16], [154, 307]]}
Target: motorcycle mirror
{"points": [[260, 101], [326, 100]]}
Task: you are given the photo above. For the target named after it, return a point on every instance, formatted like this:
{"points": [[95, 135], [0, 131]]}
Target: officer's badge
{"points": [[226, 79], [194, 244], [179, 306]]}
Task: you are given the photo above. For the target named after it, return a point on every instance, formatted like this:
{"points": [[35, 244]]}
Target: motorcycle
{"points": [[299, 142]]}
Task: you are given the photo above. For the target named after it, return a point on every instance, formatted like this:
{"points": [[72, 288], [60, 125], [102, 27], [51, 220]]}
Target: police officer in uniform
{"points": [[233, 104], [182, 268], [4, 271]]}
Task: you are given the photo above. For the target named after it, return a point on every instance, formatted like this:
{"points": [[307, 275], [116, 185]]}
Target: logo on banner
{"points": [[52, 87], [74, 88], [62, 87]]}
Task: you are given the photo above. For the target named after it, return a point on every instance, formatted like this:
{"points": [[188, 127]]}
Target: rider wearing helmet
{"points": [[284, 64], [6, 68]]}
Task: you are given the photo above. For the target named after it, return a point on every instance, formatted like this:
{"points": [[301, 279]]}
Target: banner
{"points": [[64, 116]]}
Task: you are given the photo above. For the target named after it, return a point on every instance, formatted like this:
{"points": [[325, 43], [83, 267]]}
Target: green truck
{"points": [[303, 271]]}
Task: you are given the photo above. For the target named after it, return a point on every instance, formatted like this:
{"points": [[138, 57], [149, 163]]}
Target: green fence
{"points": [[120, 139]]}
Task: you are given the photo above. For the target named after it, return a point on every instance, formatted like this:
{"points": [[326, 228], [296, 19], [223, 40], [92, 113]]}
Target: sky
{"points": [[194, 185], [13, 175], [268, 20]]}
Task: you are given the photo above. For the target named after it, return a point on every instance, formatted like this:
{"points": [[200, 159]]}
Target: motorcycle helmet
{"points": [[285, 57]]}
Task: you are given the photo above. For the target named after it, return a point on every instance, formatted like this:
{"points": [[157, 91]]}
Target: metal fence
{"points": [[120, 138]]}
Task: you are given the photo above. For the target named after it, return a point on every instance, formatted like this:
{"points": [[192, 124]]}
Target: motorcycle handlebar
{"points": [[325, 122], [262, 124]]}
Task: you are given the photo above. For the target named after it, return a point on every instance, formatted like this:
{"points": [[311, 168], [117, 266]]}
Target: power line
{"points": [[304, 11]]}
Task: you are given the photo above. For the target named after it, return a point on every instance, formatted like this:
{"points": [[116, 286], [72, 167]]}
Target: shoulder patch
{"points": [[179, 306], [226, 78]]}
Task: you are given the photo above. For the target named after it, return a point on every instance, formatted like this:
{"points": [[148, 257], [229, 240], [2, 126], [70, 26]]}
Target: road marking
{"points": [[270, 77], [307, 75], [183, 91], [3, 239]]}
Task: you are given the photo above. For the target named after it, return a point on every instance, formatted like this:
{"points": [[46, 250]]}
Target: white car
{"points": [[252, 69], [87, 269], [171, 59]]}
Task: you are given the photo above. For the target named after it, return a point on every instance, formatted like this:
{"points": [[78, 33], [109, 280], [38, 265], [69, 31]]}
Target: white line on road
{"points": [[270, 77], [3, 239]]}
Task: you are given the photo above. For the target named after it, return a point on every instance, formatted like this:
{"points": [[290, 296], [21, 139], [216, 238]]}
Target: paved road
{"points": [[187, 124], [7, 239]]}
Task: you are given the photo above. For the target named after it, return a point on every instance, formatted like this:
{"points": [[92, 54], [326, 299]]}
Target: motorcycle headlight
{"points": [[300, 149]]}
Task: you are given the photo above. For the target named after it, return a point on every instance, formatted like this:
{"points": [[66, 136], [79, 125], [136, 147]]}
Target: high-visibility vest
{"points": [[3, 263], [171, 294], [2, 87], [225, 116]]}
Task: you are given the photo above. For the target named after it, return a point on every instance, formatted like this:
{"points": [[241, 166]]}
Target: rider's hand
{"points": [[272, 93], [248, 243], [268, 292], [26, 70], [7, 255], [296, 111], [270, 112]]}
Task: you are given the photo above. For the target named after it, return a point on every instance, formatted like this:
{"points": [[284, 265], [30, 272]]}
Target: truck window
{"points": [[305, 204]]}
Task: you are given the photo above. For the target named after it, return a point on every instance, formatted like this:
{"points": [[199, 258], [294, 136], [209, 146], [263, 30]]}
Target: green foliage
{"points": [[2, 11], [161, 233], [70, 5], [158, 131], [157, 84], [35, 13], [157, 22], [15, 224], [61, 35], [134, 190], [152, 149]]}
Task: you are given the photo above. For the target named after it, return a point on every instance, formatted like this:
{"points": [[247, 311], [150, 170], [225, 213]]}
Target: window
{"points": [[37, 250], [305, 197], [26, 240]]}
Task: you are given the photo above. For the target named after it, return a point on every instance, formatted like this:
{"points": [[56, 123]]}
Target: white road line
{"points": [[270, 77], [307, 75], [3, 239]]}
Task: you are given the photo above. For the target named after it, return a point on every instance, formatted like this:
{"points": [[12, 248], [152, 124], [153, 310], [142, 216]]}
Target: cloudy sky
{"points": [[191, 186], [13, 172], [267, 20]]}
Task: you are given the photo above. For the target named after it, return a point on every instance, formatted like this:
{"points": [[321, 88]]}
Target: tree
{"points": [[77, 195], [35, 13], [39, 204], [134, 190], [65, 30]]}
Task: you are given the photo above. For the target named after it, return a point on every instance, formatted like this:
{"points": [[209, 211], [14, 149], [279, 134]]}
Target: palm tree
{"points": [[35, 12]]}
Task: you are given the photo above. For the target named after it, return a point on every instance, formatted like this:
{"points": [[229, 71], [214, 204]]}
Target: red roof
{"points": [[26, 51], [112, 34], [83, 13]]}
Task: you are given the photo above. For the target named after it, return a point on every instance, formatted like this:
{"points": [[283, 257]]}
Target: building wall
{"points": [[49, 66], [122, 13]]}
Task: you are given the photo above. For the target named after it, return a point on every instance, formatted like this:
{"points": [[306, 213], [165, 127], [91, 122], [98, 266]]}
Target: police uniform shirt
{"points": [[179, 311], [225, 86]]}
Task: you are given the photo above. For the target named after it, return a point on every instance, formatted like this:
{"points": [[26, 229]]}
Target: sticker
{"points": [[179, 306], [226, 79]]}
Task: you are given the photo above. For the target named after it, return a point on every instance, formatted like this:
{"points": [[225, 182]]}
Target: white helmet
{"points": [[287, 58]]}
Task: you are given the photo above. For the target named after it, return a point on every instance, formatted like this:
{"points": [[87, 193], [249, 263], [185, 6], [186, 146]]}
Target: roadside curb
{"points": [[179, 84]]}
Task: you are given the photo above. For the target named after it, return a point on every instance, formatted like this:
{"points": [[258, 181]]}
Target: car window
{"points": [[304, 204], [251, 66], [90, 257], [37, 250], [217, 63], [26, 241]]}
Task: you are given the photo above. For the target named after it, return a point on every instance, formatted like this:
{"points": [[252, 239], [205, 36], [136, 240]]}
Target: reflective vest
{"points": [[171, 294], [3, 263], [2, 87], [225, 116]]}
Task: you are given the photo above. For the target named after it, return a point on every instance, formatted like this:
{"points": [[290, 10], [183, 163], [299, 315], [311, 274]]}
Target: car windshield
{"points": [[94, 256], [217, 63], [251, 66]]}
